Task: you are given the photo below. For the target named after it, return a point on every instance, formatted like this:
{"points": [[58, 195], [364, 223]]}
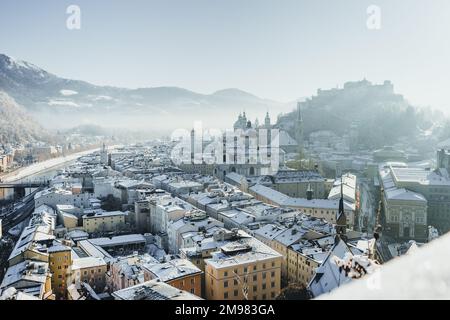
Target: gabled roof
{"points": [[328, 276]]}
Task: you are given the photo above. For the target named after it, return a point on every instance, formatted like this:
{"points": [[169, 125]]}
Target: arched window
{"points": [[252, 171]]}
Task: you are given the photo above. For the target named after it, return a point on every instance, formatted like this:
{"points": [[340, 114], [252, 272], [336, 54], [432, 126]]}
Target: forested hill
{"points": [[379, 115], [16, 126]]}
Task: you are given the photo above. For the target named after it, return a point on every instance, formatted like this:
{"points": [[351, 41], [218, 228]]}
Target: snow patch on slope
{"points": [[64, 103], [103, 98], [66, 92]]}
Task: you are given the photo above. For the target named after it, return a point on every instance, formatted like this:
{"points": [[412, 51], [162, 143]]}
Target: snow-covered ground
{"points": [[423, 273], [42, 166]]}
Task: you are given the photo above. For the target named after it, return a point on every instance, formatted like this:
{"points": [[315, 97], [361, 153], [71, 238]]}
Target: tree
{"points": [[301, 162], [294, 291], [122, 228], [110, 203]]}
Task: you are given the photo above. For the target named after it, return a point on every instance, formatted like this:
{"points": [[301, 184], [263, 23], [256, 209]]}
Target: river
{"points": [[45, 170], [47, 174]]}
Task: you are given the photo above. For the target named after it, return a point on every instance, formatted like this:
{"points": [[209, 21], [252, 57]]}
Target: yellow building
{"points": [[32, 277], [91, 270], [60, 263], [305, 257], [301, 268], [179, 273], [68, 214], [243, 270], [69, 221], [32, 244], [102, 221], [205, 248], [30, 251], [281, 238]]}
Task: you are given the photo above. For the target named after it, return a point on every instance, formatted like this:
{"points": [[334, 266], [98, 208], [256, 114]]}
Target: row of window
{"points": [[65, 267], [299, 277], [293, 271], [294, 263], [264, 274], [60, 259], [85, 272], [103, 220], [246, 269], [182, 283], [236, 282], [227, 295], [441, 190], [395, 218]]}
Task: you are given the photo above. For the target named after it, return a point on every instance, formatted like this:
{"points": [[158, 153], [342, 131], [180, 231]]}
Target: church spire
{"points": [[341, 200], [244, 121], [256, 123], [341, 221], [299, 112], [240, 122], [267, 121]]}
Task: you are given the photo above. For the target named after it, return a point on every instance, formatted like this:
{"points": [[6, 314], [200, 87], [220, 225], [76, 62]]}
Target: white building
{"points": [[164, 209], [104, 221], [55, 196], [320, 208], [153, 290], [181, 233]]}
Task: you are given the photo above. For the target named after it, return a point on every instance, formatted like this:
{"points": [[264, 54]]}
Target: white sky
{"points": [[280, 50]]}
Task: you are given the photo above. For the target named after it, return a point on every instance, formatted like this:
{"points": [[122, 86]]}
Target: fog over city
{"points": [[198, 60], [224, 150]]}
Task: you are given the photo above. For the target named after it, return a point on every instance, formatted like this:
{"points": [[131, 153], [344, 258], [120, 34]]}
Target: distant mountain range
{"points": [[63, 103], [375, 112]]}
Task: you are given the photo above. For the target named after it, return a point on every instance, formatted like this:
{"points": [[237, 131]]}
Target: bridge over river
{"points": [[21, 186]]}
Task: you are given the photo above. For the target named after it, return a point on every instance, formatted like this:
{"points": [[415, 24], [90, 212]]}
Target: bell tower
{"points": [[267, 121], [341, 221]]}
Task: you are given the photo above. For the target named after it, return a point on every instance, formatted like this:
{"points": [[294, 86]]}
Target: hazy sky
{"points": [[281, 49]]}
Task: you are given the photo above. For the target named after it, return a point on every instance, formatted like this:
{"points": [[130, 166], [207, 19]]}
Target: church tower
{"points": [[267, 121], [341, 221], [104, 155], [299, 128], [238, 123]]}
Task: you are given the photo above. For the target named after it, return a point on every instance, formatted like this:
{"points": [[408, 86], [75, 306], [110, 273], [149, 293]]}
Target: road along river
{"points": [[44, 170]]}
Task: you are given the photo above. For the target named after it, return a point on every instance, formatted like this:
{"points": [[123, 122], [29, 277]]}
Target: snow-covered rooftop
{"points": [[153, 290], [173, 269]]}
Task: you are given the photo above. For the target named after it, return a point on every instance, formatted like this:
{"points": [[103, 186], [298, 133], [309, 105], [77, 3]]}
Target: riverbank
{"points": [[25, 172]]}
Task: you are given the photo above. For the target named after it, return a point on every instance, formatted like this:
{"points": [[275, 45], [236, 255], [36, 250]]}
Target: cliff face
{"points": [[15, 125]]}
